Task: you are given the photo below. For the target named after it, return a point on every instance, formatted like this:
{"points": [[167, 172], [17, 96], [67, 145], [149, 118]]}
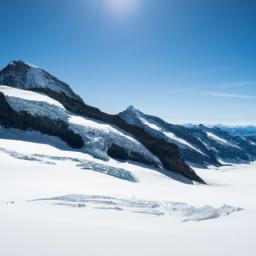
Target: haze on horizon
{"points": [[185, 61]]}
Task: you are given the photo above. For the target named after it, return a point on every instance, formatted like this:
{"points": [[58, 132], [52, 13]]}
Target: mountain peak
{"points": [[131, 108], [21, 63], [22, 75], [130, 113]]}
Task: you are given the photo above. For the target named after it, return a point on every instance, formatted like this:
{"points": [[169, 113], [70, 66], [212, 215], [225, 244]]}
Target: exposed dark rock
{"points": [[122, 153], [9, 118]]}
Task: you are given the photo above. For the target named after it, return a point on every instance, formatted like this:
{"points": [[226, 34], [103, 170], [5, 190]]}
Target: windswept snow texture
{"points": [[158, 208], [97, 136]]}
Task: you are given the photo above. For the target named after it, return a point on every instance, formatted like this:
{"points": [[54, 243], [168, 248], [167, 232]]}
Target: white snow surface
{"points": [[97, 136], [82, 211], [29, 96]]}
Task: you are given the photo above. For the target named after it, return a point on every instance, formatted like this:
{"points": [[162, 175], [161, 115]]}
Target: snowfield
{"points": [[57, 202]]}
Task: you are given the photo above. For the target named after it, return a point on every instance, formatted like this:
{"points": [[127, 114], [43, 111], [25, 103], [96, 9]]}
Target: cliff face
{"points": [[22, 120]]}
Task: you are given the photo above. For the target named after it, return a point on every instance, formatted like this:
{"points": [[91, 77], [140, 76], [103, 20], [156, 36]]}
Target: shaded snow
{"points": [[159, 208]]}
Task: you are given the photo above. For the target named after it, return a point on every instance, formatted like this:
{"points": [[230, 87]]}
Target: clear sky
{"points": [[182, 60]]}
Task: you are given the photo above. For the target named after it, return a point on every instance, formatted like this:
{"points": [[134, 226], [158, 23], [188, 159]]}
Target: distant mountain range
{"points": [[31, 99], [245, 131]]}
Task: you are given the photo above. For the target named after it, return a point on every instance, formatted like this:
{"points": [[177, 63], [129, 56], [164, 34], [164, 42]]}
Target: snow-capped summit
{"points": [[135, 117], [22, 75], [132, 109], [131, 115]]}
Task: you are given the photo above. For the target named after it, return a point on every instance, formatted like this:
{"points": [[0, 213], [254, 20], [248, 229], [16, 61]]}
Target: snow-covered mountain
{"points": [[21, 75], [198, 144], [96, 137], [33, 100]]}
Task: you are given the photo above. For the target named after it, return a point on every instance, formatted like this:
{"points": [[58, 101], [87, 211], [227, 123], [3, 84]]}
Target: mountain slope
{"points": [[32, 111], [199, 145]]}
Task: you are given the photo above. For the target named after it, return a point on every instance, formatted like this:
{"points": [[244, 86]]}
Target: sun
{"points": [[121, 7]]}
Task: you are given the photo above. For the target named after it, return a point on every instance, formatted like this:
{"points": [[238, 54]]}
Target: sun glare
{"points": [[121, 7]]}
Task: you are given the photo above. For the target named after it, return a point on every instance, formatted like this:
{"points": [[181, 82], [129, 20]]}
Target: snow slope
{"points": [[88, 212]]}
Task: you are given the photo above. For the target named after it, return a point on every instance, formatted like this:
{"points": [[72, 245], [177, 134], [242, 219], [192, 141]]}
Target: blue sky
{"points": [[182, 60]]}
